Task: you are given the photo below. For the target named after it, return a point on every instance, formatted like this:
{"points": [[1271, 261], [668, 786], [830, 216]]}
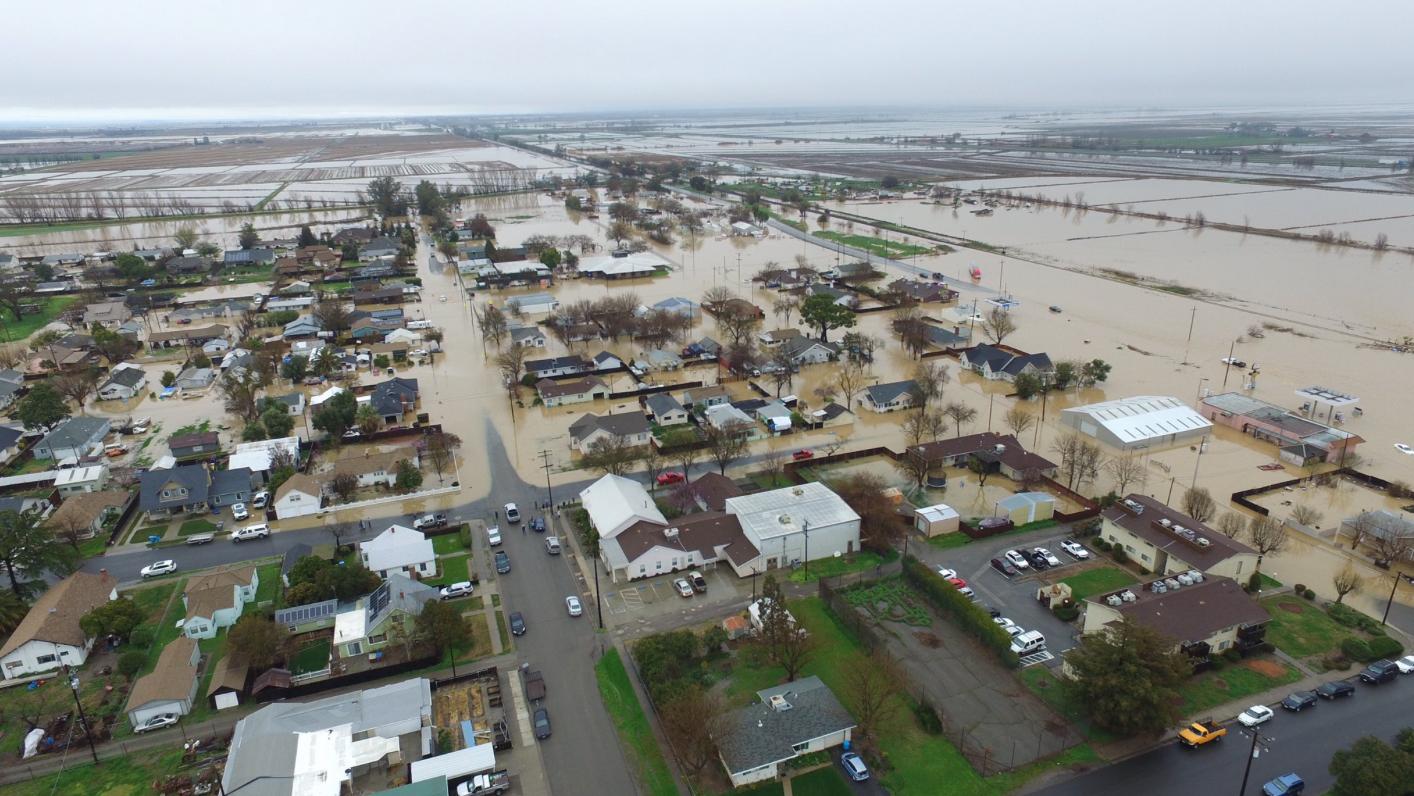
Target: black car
{"points": [[503, 562], [1379, 672], [1300, 701], [1003, 566], [1339, 688], [542, 723], [1038, 561], [517, 624]]}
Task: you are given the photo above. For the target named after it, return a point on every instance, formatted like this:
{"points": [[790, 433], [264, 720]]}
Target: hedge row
{"points": [[963, 612]]}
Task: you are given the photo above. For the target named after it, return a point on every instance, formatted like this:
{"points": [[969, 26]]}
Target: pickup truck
{"points": [[534, 685], [1201, 732], [481, 784]]}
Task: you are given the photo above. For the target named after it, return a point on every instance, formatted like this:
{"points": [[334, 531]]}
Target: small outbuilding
{"points": [[1024, 507], [936, 520]]}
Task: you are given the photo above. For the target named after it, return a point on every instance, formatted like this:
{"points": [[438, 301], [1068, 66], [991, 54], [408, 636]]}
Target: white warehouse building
{"points": [[1139, 422]]}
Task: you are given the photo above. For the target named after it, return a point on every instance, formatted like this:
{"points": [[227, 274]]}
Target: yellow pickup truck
{"points": [[1201, 732]]}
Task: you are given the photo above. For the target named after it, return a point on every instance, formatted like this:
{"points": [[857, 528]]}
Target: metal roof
{"points": [[1144, 417], [781, 512]]}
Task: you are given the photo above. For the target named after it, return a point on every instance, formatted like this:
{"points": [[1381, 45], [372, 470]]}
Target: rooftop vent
{"points": [[671, 533], [1134, 506], [779, 703], [798, 492], [1202, 541]]}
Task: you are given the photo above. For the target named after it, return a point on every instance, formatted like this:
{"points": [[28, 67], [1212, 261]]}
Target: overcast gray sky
{"points": [[87, 60]]}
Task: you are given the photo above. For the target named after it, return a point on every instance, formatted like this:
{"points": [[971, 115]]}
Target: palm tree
{"points": [[12, 611]]}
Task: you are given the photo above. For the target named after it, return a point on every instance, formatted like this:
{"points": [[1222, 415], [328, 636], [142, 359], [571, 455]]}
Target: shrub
{"points": [[1065, 613], [1255, 582], [1335, 662], [142, 636], [1232, 655], [1385, 647], [131, 662], [1308, 594], [1143, 570], [1216, 664], [1349, 617], [1120, 556], [928, 718], [966, 614], [1356, 649], [1300, 588], [1268, 647]]}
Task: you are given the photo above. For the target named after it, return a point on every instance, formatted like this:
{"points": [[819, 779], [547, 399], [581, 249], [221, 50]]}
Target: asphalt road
{"points": [[1301, 742]]}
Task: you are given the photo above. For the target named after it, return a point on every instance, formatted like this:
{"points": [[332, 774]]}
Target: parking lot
{"points": [[651, 598], [1015, 596]]}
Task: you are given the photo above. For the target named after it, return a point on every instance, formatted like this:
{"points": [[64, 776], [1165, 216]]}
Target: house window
{"points": [[355, 648], [642, 569], [1224, 645], [45, 659], [378, 639], [1144, 557], [800, 747], [658, 565]]}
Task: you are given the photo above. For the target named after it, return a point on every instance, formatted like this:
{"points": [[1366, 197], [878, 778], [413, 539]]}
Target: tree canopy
{"points": [[43, 408], [28, 548], [1372, 767], [821, 312], [1128, 677], [318, 579]]}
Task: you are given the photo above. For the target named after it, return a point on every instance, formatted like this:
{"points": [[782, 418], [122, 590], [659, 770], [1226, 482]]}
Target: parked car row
{"points": [[694, 583]]}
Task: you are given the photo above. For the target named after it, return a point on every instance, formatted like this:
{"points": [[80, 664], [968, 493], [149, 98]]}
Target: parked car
{"points": [[1379, 672], [670, 477], [238, 510], [493, 535], [1405, 664], [517, 624], [854, 767], [542, 724], [512, 513], [966, 591], [537, 524], [958, 583], [429, 521], [1257, 714], [257, 531], [503, 562], [351, 434], [158, 568], [552, 545], [1050, 558], [946, 574], [802, 455], [1285, 785], [1337, 688], [573, 606], [1038, 561], [157, 722], [684, 588], [454, 590], [261, 499], [1003, 621], [1017, 560], [1003, 566], [699, 583], [1075, 549], [1299, 701]]}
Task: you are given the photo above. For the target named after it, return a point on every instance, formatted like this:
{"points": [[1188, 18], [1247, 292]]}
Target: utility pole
{"points": [[1252, 755], [87, 731], [1193, 316], [1398, 576], [545, 463], [1230, 349]]}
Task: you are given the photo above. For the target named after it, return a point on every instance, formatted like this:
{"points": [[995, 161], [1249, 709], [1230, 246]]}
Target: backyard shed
{"points": [[1024, 507], [936, 520]]}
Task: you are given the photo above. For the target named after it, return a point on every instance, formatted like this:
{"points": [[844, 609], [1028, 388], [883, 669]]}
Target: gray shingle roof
{"points": [[191, 476], [884, 393], [230, 482], [76, 431], [662, 403], [762, 735]]}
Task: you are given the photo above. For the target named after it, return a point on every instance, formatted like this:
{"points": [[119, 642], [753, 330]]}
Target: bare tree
{"points": [[932, 378], [1231, 524], [653, 463], [492, 323], [509, 363], [717, 296], [1198, 503], [1306, 515], [439, 448], [787, 645], [923, 425], [960, 414], [914, 465], [785, 306], [1125, 470], [1266, 536], [1019, 420], [11, 355], [998, 325], [611, 455], [1362, 526], [77, 387], [1345, 581], [1388, 548], [874, 684], [727, 443], [694, 720], [851, 378], [345, 485], [333, 315], [737, 325], [1081, 460], [772, 462]]}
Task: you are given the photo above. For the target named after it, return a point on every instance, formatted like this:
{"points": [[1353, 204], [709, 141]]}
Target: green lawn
{"points": [[632, 725], [94, 547], [453, 570], [764, 789], [129, 775], [1052, 691], [830, 567], [447, 543], [826, 781], [1097, 581], [502, 631], [873, 245], [198, 525], [171, 611], [49, 309], [269, 588], [949, 541], [480, 644], [1269, 582], [1210, 689], [311, 657], [1301, 629]]}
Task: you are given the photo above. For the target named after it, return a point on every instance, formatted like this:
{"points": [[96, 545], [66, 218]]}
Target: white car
{"points": [[1014, 630], [238, 511], [945, 573], [966, 591], [1046, 554], [259, 531], [1405, 449], [572, 604], [157, 722], [156, 568], [454, 590], [1017, 560], [261, 498], [684, 588], [512, 513], [1004, 622], [1257, 714], [1075, 549], [1405, 664]]}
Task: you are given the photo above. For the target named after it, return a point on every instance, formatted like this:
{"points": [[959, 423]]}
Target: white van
{"points": [[1028, 642], [493, 535]]}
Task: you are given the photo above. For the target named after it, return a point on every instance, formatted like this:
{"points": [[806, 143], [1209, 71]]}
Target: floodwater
{"points": [[142, 234]]}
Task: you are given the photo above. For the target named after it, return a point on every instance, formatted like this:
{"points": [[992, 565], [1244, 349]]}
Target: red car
{"points": [[958, 583], [802, 455], [671, 477]]}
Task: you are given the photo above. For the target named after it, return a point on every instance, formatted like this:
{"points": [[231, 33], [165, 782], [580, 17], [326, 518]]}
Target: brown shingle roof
{"points": [[55, 615], [1147, 526], [80, 510], [1194, 613], [209, 593], [368, 463], [300, 481], [549, 388], [703, 532], [230, 674], [170, 679], [1013, 455], [195, 333]]}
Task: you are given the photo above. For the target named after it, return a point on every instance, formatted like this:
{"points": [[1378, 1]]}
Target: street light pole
{"points": [[87, 731], [1390, 604], [1252, 755]]}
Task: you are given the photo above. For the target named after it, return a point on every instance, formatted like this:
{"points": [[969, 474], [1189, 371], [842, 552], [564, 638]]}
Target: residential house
{"points": [[189, 336], [303, 326], [893, 396], [703, 397], [829, 416], [957, 337], [1203, 615], [802, 717], [1300, 439], [622, 265], [630, 427], [1026, 507], [1168, 542], [656, 359], [217, 599], [399, 550], [991, 362], [365, 628], [247, 258], [707, 492], [665, 409], [997, 452], [401, 336], [557, 366], [727, 416], [171, 685], [299, 496], [84, 513], [809, 351], [775, 524], [532, 304], [76, 480], [745, 229], [1139, 422], [179, 490], [353, 235], [350, 743], [372, 469], [775, 415], [289, 304], [737, 306], [108, 314], [605, 361], [10, 443], [179, 266], [394, 398], [574, 391], [50, 636], [379, 249], [125, 382], [287, 565], [678, 305], [924, 292], [72, 438], [202, 443], [193, 379], [843, 298], [11, 382], [775, 337], [528, 337], [229, 487], [293, 403]]}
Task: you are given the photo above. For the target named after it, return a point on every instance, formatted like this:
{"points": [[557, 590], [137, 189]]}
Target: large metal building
{"points": [[1139, 422]]}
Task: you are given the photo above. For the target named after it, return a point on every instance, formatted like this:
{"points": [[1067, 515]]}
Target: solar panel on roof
{"points": [[307, 613]]}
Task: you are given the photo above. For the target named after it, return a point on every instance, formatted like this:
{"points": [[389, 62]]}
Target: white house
{"points": [[217, 599], [259, 456], [891, 397], [373, 469], [802, 717], [124, 382], [665, 409], [170, 687], [631, 427], [794, 524], [49, 635], [81, 479], [299, 496], [399, 550]]}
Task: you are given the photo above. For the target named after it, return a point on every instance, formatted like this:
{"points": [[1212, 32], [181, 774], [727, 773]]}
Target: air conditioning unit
{"points": [[1195, 575], [1158, 587], [1114, 600], [1184, 579], [1172, 584], [1202, 541], [1134, 506], [1166, 522], [1128, 596], [671, 533], [779, 703]]}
